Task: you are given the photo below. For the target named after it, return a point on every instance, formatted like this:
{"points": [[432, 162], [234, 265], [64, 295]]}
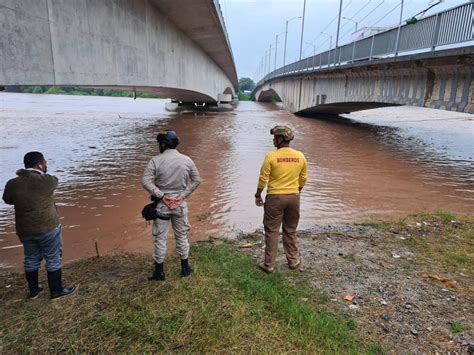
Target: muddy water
{"points": [[379, 164]]}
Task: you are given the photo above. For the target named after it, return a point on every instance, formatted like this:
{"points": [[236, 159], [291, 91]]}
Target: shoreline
{"points": [[409, 278]]}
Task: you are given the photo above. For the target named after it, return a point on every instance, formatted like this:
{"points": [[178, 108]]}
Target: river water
{"points": [[373, 164]]}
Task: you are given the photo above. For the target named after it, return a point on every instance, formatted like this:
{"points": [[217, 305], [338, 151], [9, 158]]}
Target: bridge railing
{"points": [[452, 26]]}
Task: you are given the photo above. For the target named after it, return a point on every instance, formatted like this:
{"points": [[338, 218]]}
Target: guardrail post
{"points": [[372, 47], [434, 41]]}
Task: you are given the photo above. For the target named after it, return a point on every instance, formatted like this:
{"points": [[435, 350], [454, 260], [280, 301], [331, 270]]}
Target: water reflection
{"points": [[99, 147]]}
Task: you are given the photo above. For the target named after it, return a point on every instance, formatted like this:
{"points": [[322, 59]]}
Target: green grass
{"points": [[459, 327], [227, 305]]}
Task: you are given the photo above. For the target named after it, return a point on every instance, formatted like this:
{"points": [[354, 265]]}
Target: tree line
{"points": [[63, 90]]}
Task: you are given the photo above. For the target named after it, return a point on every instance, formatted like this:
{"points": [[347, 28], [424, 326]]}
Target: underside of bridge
{"points": [[441, 80], [173, 48], [335, 108], [269, 95], [338, 108]]}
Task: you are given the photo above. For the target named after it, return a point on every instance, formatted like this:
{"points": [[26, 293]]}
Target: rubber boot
{"points": [[33, 286], [185, 268], [56, 289], [159, 273]]}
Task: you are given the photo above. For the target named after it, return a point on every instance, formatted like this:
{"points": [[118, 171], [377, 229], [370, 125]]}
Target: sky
{"points": [[252, 25]]}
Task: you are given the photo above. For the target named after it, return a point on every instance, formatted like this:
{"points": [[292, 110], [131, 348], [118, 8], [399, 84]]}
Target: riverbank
{"points": [[410, 280]]}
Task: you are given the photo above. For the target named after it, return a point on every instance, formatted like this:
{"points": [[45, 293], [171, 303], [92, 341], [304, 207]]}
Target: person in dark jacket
{"points": [[37, 223]]}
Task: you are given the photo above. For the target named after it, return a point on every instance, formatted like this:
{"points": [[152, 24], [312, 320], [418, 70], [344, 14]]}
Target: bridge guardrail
{"points": [[452, 26]]}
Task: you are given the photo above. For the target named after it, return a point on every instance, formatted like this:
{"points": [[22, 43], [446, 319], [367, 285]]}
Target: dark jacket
{"points": [[32, 194]]}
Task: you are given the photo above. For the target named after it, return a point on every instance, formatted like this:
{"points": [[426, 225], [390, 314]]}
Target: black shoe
{"points": [[185, 268], [56, 288], [33, 286], [158, 274]]}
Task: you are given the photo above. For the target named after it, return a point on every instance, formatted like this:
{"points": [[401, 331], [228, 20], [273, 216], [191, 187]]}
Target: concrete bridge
{"points": [[175, 48], [385, 70]]}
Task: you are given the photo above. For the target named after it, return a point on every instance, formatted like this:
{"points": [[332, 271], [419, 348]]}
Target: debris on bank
{"points": [[407, 283]]}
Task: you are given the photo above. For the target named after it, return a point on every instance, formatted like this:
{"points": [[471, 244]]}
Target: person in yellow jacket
{"points": [[284, 173]]}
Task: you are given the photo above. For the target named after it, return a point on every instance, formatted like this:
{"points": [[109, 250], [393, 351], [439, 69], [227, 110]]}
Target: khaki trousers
{"points": [[278, 210], [181, 227]]}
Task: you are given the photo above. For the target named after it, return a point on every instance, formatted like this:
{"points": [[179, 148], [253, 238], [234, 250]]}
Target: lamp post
{"points": [[314, 47], [302, 28], [286, 37], [338, 28], [270, 58], [356, 23], [397, 43], [314, 50], [330, 45], [265, 67], [330, 39], [276, 48]]}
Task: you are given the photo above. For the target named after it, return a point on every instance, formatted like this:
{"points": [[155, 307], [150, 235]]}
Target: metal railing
{"points": [[452, 26]]}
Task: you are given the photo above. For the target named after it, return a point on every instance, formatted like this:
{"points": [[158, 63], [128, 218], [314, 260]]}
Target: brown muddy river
{"points": [[398, 161]]}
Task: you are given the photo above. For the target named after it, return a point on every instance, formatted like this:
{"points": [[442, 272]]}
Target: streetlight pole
{"points": [[397, 43], [314, 51], [270, 59], [276, 48], [330, 45], [265, 67], [314, 47], [286, 37], [302, 28], [349, 19], [338, 28]]}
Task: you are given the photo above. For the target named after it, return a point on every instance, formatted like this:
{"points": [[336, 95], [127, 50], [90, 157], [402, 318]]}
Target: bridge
{"points": [[174, 48], [427, 64]]}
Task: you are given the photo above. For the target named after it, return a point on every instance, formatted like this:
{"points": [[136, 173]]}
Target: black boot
{"points": [[159, 273], [56, 288], [33, 286], [185, 269]]}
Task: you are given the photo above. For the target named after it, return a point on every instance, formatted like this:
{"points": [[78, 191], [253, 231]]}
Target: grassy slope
{"points": [[227, 305]]}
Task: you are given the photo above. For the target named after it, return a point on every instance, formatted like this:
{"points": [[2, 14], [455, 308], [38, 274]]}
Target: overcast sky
{"points": [[253, 24]]}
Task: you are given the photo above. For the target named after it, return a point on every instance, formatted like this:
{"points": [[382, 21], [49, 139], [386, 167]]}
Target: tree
{"points": [[246, 84]]}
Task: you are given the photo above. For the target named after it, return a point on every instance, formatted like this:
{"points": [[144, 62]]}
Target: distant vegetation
{"points": [[61, 90], [246, 86], [246, 96]]}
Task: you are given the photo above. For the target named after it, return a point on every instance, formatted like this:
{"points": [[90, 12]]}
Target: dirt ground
{"points": [[402, 297]]}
